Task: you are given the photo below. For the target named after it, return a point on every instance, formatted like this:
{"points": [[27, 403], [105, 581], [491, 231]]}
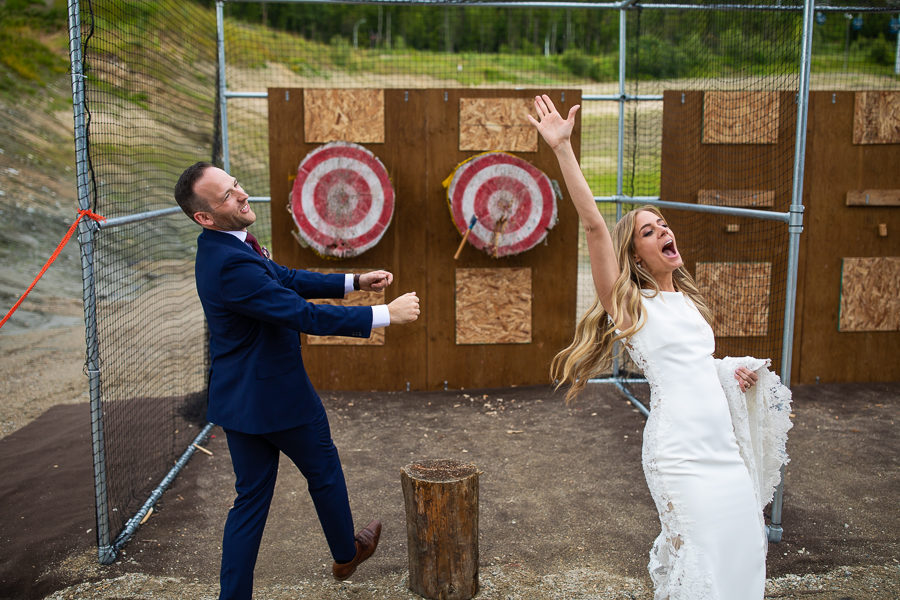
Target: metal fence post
{"points": [[620, 148], [223, 101], [897, 50], [86, 230], [795, 227]]}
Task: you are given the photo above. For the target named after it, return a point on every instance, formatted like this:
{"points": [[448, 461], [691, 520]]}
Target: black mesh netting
{"points": [[151, 97]]}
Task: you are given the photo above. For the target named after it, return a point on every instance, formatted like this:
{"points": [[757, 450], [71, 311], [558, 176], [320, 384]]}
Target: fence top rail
{"points": [[488, 4], [584, 97], [155, 214], [619, 5]]}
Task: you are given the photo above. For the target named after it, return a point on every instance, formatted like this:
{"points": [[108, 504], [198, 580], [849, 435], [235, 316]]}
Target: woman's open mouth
{"points": [[669, 250]]}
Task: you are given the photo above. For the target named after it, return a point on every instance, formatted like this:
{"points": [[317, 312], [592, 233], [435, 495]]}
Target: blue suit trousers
{"points": [[255, 461]]}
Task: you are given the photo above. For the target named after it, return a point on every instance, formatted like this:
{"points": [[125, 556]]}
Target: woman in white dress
{"points": [[713, 540]]}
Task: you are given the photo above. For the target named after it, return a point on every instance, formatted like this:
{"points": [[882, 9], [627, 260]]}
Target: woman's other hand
{"points": [[746, 378]]}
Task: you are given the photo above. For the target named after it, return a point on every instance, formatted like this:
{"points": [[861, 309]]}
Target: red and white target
{"points": [[342, 200], [513, 201]]}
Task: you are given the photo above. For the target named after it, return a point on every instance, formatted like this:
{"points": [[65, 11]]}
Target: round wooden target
{"points": [[513, 201], [342, 200]]}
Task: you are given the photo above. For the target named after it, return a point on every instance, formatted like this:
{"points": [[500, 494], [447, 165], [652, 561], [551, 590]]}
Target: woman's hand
{"points": [[553, 128], [746, 378]]}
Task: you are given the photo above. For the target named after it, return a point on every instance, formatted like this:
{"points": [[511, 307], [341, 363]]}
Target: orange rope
{"points": [[59, 247]]}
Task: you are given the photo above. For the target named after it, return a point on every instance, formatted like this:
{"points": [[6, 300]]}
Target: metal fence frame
{"points": [[108, 547]]}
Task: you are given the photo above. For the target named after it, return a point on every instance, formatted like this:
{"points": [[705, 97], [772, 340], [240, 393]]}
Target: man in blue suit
{"points": [[259, 392]]}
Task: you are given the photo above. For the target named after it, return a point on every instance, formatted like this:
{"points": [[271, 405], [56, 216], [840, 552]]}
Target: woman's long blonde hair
{"points": [[591, 351]]}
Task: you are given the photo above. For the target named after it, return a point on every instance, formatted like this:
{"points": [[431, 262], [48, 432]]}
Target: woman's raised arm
{"points": [[557, 132]]}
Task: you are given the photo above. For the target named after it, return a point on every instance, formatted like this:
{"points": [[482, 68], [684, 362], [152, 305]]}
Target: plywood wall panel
{"points": [[496, 124], [352, 299], [738, 296], [493, 306], [876, 117], [398, 361], [870, 294], [873, 198], [553, 264], [832, 230], [418, 248], [740, 117], [346, 115], [742, 198]]}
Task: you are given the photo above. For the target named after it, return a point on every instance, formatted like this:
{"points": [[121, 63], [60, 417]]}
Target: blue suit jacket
{"points": [[255, 309]]}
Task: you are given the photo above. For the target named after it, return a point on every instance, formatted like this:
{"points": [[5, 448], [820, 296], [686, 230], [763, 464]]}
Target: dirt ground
{"points": [[564, 510]]}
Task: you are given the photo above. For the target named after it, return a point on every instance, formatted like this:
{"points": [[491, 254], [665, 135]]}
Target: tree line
{"points": [[470, 28]]}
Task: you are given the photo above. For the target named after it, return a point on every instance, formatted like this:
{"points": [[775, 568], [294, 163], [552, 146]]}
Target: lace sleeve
{"points": [[761, 419]]}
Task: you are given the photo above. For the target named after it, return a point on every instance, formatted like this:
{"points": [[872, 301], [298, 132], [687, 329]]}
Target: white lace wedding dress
{"points": [[710, 472]]}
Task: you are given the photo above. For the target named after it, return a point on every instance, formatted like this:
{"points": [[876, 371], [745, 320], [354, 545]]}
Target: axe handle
{"points": [[462, 243]]}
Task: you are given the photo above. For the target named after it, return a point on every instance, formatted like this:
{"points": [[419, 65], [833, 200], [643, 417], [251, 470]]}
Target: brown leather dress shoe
{"points": [[366, 542]]}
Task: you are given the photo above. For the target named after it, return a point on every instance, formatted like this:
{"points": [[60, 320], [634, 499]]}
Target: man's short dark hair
{"points": [[184, 189]]}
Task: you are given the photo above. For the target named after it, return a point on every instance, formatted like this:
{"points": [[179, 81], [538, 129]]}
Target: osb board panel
{"points": [[832, 230], [738, 296], [553, 264], [876, 117], [348, 115], [496, 124], [744, 198], [740, 117], [870, 294], [873, 198], [493, 306], [352, 299], [399, 360]]}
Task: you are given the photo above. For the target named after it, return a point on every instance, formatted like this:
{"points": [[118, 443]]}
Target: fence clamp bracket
{"points": [[795, 224]]}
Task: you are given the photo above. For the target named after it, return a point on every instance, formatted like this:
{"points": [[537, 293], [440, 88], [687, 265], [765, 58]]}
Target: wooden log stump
{"points": [[441, 498]]}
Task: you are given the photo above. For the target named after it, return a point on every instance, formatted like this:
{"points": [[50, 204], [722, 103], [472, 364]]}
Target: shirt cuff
{"points": [[348, 283], [381, 316]]}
